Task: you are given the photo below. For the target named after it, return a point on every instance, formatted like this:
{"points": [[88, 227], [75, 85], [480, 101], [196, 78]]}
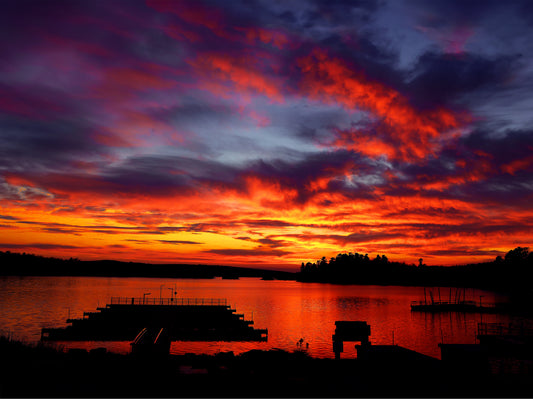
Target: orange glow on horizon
{"points": [[251, 232]]}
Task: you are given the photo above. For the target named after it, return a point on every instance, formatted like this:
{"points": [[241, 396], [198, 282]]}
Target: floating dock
{"points": [[456, 304], [445, 306], [184, 319]]}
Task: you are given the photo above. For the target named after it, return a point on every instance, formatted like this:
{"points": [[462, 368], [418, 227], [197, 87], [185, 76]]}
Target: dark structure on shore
{"points": [[349, 331]]}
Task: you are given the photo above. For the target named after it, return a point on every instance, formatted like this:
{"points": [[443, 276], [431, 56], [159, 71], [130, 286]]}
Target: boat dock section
{"points": [[185, 319]]}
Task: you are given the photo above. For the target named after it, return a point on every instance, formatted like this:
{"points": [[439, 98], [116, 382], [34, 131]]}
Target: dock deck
{"points": [[185, 319]]}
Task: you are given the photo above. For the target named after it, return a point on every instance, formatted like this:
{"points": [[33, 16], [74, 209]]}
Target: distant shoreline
{"points": [[30, 265], [493, 276]]}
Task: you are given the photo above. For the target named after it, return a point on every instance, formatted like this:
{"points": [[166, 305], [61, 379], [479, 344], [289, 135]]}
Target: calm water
{"points": [[288, 309]]}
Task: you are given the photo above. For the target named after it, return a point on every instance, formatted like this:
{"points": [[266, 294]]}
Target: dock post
{"points": [[338, 347]]}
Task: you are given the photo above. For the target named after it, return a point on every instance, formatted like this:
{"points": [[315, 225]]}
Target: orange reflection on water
{"points": [[289, 310]]}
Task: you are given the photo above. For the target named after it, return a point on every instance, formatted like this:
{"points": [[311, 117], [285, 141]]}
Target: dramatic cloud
{"points": [[266, 133]]}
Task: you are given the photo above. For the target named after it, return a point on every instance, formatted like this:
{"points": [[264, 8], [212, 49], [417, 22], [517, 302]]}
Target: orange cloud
{"points": [[363, 142], [138, 226], [17, 180]]}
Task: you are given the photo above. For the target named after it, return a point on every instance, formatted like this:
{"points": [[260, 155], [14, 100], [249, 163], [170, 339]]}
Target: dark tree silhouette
{"points": [[507, 274], [519, 255]]}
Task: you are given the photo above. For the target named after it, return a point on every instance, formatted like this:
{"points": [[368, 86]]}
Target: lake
{"points": [[290, 311]]}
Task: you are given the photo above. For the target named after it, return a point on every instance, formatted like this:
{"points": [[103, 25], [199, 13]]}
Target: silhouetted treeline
{"points": [[505, 273], [510, 273], [16, 264]]}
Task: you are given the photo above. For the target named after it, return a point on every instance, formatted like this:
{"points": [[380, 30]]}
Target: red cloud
{"points": [[179, 33], [240, 71], [403, 132], [28, 106], [81, 47], [192, 12], [138, 80], [195, 14], [452, 41], [267, 36], [519, 164]]}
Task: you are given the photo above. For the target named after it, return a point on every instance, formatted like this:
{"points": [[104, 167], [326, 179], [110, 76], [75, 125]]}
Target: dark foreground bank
{"points": [[39, 371]]}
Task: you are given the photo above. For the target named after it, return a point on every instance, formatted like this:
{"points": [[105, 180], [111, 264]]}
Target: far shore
{"points": [[498, 276]]}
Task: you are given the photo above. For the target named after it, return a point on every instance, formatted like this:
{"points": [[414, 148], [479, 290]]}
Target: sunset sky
{"points": [[266, 133]]}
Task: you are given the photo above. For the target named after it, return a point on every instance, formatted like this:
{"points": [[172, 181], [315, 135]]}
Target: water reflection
{"points": [[347, 302], [291, 311]]}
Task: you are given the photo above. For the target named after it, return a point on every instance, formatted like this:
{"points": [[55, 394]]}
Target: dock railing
{"points": [[447, 303], [169, 301]]}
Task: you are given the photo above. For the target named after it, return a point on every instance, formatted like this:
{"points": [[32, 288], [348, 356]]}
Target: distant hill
{"points": [[16, 264]]}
